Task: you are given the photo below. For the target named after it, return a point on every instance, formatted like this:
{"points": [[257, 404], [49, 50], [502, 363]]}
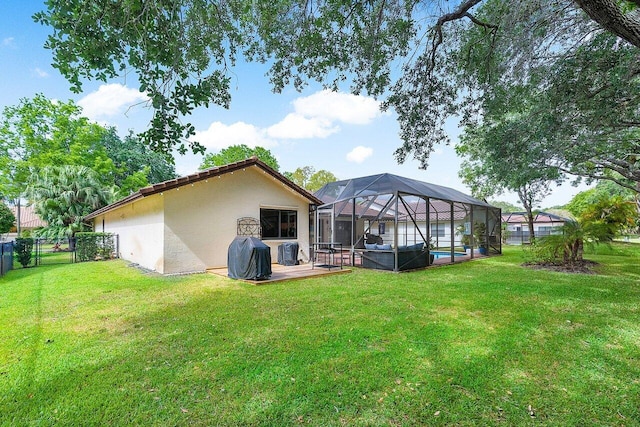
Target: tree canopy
{"points": [[39, 132], [7, 219], [310, 179], [64, 195], [135, 166], [577, 56], [236, 153]]}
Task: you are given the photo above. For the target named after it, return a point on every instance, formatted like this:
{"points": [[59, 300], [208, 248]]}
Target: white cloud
{"points": [[40, 73], [338, 106], [220, 136], [110, 100], [296, 126], [9, 42], [359, 154], [315, 116]]}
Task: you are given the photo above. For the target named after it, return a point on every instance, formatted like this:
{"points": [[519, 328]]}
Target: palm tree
{"points": [[64, 195]]}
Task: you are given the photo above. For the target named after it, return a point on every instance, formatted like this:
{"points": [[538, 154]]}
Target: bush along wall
{"points": [[22, 250], [95, 246]]}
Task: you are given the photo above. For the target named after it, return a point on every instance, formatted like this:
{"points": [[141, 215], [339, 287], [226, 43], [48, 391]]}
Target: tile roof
{"points": [[29, 219], [201, 176], [540, 217]]}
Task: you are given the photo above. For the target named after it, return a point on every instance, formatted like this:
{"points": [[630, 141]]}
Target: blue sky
{"points": [[339, 132]]}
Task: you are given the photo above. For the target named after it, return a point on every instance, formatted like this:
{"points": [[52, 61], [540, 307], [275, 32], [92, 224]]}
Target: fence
{"points": [[84, 247], [522, 237], [6, 257]]}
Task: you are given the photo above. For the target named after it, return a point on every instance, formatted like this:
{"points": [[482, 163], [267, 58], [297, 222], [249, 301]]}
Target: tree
{"points": [[308, 178], [301, 175], [64, 195], [182, 51], [501, 155], [135, 166], [39, 132], [599, 223], [7, 219], [505, 206], [236, 153], [608, 217]]}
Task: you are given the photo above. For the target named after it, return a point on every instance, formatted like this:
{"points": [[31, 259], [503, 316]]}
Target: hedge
{"points": [[95, 246]]}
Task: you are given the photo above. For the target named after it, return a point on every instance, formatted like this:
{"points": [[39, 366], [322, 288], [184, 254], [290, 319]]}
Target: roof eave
{"points": [[201, 176]]}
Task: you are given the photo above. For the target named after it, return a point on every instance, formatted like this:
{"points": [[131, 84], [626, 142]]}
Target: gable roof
{"points": [[201, 176], [540, 217], [29, 219]]}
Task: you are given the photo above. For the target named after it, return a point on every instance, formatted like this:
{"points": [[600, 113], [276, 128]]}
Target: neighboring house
{"points": [[187, 224], [517, 228], [29, 220]]}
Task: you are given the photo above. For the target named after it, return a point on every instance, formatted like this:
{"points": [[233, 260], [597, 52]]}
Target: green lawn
{"points": [[486, 342]]}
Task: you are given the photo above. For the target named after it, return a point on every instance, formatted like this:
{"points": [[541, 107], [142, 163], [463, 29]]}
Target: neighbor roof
{"points": [[540, 217], [387, 183], [29, 219], [200, 176]]}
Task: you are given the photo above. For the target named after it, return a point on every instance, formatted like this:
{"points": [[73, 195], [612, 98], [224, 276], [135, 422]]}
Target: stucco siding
{"points": [[139, 226], [200, 220]]}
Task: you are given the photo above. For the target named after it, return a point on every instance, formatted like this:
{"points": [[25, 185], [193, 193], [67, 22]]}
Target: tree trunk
{"points": [[580, 250], [609, 14], [19, 219], [527, 200], [638, 201], [532, 235]]}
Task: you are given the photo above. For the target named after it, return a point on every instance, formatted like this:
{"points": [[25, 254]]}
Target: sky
{"points": [[339, 132]]}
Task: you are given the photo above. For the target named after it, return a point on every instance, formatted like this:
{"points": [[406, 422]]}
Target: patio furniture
{"points": [[409, 257]]}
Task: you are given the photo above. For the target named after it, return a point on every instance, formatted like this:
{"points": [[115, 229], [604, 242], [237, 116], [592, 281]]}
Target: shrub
{"points": [[7, 219], [95, 246], [22, 249]]}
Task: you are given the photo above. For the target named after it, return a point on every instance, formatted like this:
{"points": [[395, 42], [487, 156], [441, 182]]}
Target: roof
{"points": [[29, 219], [540, 217], [387, 183], [201, 176]]}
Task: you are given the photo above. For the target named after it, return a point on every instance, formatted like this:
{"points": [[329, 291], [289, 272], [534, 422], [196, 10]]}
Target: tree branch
{"points": [[461, 12], [610, 16]]}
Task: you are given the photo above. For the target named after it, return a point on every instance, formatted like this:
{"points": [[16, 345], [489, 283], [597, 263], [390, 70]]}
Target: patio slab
{"points": [[284, 272]]}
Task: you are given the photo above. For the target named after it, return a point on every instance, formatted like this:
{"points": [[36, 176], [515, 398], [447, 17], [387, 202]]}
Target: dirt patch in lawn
{"points": [[583, 267]]}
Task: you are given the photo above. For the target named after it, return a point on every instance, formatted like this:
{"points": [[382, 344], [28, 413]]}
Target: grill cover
{"points": [[249, 258], [288, 253]]}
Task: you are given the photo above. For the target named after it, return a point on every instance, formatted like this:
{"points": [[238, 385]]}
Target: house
{"points": [[29, 221], [187, 224], [517, 227]]}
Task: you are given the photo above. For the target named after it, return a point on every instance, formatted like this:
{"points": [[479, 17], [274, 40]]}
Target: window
{"points": [[279, 224], [437, 230]]}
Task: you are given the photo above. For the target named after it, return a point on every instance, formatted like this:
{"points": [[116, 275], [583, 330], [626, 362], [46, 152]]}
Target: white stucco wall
{"points": [[189, 229], [201, 220], [139, 226]]}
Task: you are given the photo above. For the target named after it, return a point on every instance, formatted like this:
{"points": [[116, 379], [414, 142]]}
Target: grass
{"points": [[486, 342]]}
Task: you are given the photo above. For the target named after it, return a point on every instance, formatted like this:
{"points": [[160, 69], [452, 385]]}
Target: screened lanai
{"points": [[394, 223]]}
